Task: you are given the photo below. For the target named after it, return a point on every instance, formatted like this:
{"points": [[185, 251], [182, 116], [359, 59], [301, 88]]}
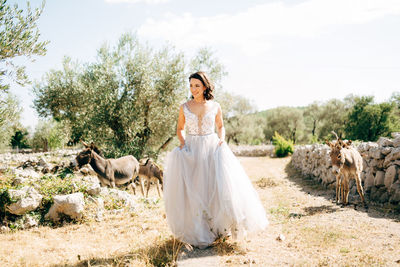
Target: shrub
{"points": [[282, 146]]}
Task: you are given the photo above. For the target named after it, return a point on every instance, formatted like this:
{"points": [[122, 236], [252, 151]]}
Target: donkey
{"points": [[348, 163], [110, 172], [150, 171]]}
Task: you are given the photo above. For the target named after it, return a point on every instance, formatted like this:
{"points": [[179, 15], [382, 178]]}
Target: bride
{"points": [[207, 194]]}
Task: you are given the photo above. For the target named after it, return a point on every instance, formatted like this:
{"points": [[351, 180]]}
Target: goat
{"points": [[110, 172], [348, 163], [150, 171]]}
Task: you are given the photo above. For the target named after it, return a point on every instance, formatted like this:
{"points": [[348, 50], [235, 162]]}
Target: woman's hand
{"points": [[221, 142], [181, 146]]}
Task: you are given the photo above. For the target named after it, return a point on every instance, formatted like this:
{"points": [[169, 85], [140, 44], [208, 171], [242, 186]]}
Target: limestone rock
{"points": [[394, 155], [30, 221], [369, 180], [29, 173], [395, 192], [94, 189], [376, 153], [384, 141], [396, 141], [27, 199], [71, 205], [390, 176], [386, 150], [113, 194], [379, 178]]}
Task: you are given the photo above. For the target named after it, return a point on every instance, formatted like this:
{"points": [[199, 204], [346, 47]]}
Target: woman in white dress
{"points": [[207, 194]]}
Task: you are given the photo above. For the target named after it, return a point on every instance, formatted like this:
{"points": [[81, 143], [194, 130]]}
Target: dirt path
{"points": [[313, 230]]}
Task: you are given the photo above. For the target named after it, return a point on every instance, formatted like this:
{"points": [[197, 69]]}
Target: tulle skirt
{"points": [[207, 194]]}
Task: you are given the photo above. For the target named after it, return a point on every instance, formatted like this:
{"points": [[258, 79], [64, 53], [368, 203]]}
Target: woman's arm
{"points": [[181, 127], [220, 126]]}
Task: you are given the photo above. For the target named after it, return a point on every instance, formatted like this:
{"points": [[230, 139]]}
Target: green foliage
{"points": [[4, 199], [50, 186], [127, 101], [20, 138], [50, 135], [206, 61], [19, 37], [286, 120], [368, 121], [283, 147], [9, 116]]}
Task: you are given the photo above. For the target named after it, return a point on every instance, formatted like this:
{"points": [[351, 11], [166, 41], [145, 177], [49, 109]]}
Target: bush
{"points": [[282, 146], [50, 135]]}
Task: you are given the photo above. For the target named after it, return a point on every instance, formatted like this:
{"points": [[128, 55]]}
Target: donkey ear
{"points": [[86, 145], [328, 143], [349, 142]]}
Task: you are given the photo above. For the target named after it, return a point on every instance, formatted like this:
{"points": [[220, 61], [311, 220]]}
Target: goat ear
{"points": [[92, 146], [86, 145]]}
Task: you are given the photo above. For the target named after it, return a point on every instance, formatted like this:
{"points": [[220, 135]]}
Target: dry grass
{"points": [[266, 182], [123, 238], [316, 232]]}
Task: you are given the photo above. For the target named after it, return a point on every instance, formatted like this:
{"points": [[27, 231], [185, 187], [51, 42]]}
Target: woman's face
{"points": [[197, 88]]}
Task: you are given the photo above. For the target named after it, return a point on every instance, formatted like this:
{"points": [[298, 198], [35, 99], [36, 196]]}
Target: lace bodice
{"points": [[200, 125]]}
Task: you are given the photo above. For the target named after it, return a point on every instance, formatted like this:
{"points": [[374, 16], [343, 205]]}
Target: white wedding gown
{"points": [[207, 194]]}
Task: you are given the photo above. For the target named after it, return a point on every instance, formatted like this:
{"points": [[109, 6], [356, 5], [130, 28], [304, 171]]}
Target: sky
{"points": [[276, 53]]}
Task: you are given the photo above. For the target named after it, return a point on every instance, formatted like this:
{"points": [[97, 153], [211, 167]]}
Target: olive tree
{"points": [[127, 101], [19, 38]]}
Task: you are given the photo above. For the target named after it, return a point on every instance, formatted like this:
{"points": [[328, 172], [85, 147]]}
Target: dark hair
{"points": [[209, 92]]}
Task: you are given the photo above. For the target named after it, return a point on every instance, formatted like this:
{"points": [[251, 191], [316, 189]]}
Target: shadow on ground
{"points": [[161, 253], [165, 253], [310, 186]]}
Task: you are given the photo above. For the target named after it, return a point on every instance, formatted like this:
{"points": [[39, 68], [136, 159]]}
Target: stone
{"points": [[396, 141], [376, 153], [391, 176], [369, 180], [395, 192], [94, 189], [379, 179], [19, 180], [30, 221], [71, 205], [384, 141], [394, 155], [281, 237], [395, 134], [386, 150], [29, 173], [384, 197], [114, 194], [362, 176], [27, 199], [4, 229]]}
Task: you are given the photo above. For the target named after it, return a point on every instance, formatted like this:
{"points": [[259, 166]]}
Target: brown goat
{"points": [[149, 171], [110, 172], [348, 163]]}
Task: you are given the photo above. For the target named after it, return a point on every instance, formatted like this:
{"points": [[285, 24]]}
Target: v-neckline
{"points": [[208, 111]]}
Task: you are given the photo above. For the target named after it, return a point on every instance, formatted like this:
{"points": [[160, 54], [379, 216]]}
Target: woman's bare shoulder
{"points": [[216, 104]]}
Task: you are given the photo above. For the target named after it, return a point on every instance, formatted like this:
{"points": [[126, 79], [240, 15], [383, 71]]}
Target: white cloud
{"points": [[136, 1], [253, 29]]}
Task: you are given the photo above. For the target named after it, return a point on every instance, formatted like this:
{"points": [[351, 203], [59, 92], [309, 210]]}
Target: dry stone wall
{"points": [[381, 167]]}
